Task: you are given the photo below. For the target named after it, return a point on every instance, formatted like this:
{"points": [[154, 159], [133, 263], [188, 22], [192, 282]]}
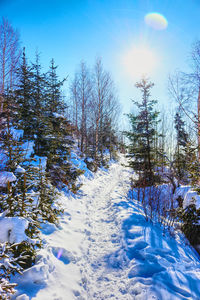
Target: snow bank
{"points": [[160, 265], [164, 194], [80, 164]]}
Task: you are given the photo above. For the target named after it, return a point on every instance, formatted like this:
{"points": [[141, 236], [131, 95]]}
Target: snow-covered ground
{"points": [[105, 249]]}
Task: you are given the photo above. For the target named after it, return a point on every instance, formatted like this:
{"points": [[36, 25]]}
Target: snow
{"points": [[191, 197], [3, 159], [6, 177], [17, 133], [89, 159], [13, 229], [28, 148], [23, 297], [20, 170], [56, 115], [40, 161], [104, 248], [80, 164]]}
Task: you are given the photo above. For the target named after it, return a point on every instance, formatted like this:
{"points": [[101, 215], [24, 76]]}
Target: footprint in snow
{"points": [[87, 232], [48, 228], [145, 270], [62, 254]]}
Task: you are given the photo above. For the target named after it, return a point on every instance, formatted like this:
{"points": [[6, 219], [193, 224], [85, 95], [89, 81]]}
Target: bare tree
{"points": [[195, 77], [104, 103], [75, 100], [81, 96], [9, 55], [184, 88], [94, 108]]}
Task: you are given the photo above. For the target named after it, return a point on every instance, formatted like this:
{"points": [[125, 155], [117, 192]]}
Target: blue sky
{"points": [[72, 30]]}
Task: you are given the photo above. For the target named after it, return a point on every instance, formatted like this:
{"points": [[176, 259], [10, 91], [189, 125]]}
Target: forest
{"points": [[41, 128]]}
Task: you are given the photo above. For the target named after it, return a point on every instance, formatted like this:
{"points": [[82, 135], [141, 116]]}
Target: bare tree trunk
{"points": [[9, 56], [82, 122], [84, 94], [3, 69], [104, 102], [97, 125], [198, 109]]}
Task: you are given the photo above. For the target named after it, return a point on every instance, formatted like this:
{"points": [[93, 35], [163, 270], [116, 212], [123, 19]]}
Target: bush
{"points": [[190, 217]]}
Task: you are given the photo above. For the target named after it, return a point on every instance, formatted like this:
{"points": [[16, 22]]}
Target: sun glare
{"points": [[139, 61]]}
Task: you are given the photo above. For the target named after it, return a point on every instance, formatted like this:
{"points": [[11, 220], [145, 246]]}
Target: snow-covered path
{"points": [[104, 279], [105, 249]]}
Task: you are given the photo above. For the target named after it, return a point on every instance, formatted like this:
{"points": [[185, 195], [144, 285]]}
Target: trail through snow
{"points": [[104, 276], [105, 249]]}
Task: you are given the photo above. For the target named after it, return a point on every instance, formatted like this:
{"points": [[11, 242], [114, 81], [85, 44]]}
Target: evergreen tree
{"points": [[57, 137], [190, 217], [10, 144], [192, 165], [181, 144], [60, 144], [24, 98], [109, 137], [55, 102], [9, 266], [142, 151], [40, 120], [45, 208]]}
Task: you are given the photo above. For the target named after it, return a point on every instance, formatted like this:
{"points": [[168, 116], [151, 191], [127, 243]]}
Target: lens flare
{"points": [[156, 21], [59, 253]]}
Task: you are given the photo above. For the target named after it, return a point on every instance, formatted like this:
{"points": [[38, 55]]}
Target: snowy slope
{"points": [[105, 249]]}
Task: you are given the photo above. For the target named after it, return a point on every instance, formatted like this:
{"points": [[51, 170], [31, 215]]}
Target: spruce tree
{"points": [[59, 166], [109, 138], [24, 98], [192, 164], [9, 265], [10, 145], [40, 120], [142, 151], [54, 102], [181, 145], [58, 138]]}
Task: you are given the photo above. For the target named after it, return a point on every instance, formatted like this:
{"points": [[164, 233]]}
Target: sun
{"points": [[139, 61]]}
